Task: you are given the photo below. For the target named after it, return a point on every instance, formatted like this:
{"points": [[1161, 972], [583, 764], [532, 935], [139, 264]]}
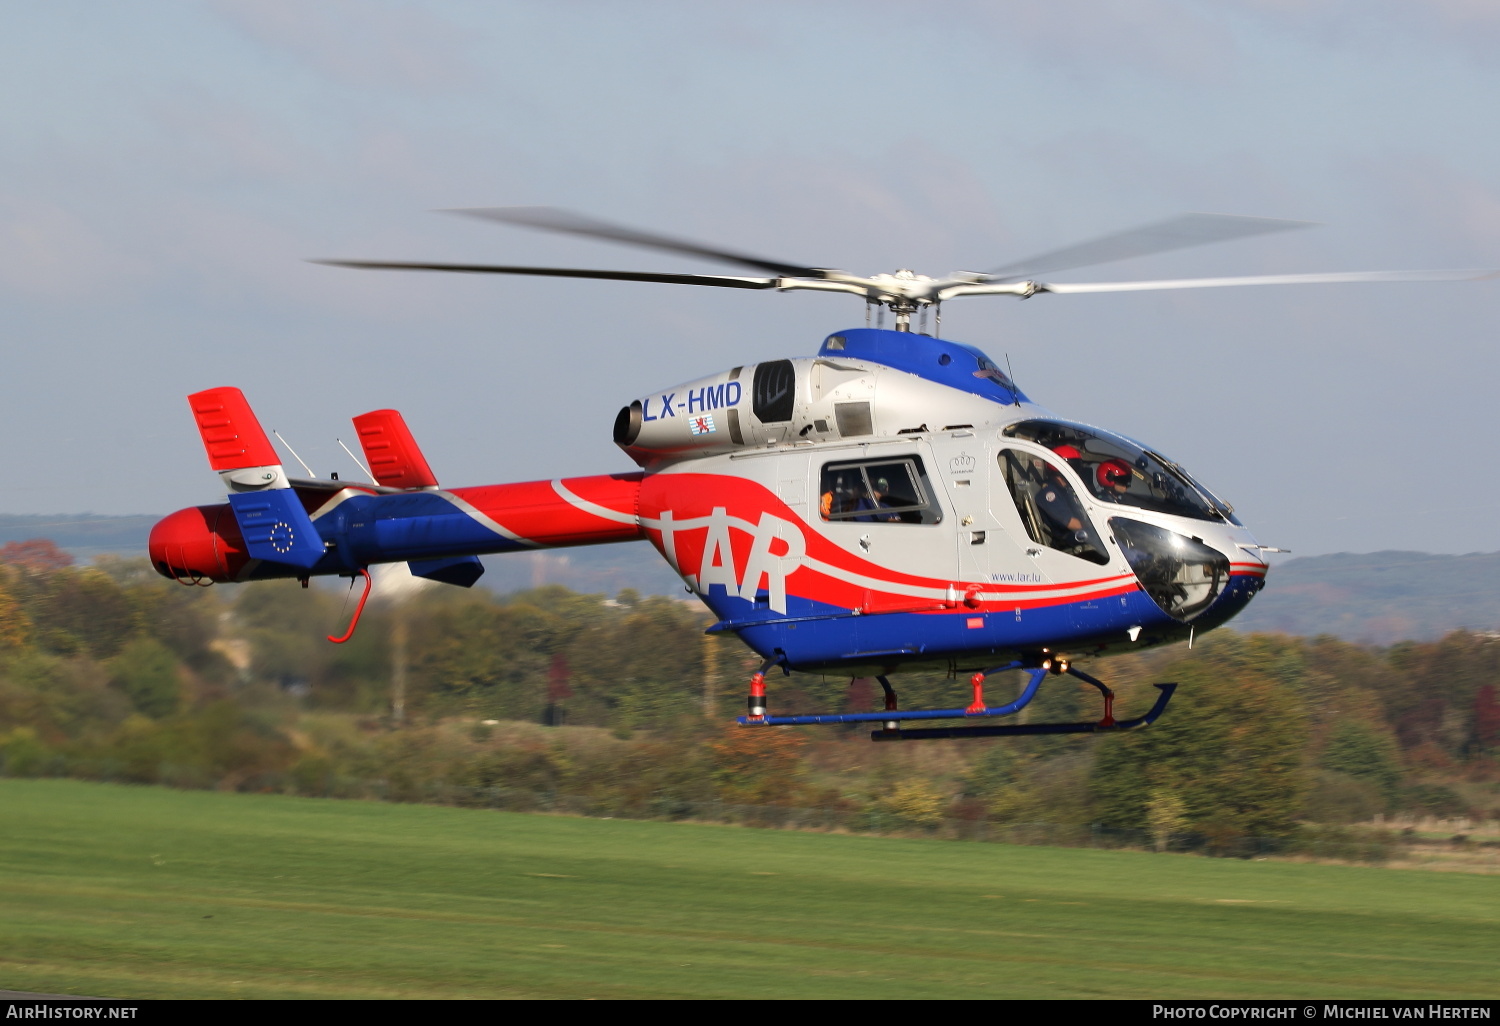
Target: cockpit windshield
{"points": [[1117, 470]]}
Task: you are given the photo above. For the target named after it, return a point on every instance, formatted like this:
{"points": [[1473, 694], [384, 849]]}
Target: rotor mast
{"points": [[904, 292], [904, 303]]}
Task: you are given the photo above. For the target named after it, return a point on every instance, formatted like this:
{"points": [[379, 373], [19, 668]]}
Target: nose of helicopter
{"points": [[196, 544], [1192, 578], [1242, 587]]}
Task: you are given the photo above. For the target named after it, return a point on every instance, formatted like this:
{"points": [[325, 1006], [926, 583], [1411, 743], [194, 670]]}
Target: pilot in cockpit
{"points": [[1069, 453], [1056, 504], [1113, 476]]}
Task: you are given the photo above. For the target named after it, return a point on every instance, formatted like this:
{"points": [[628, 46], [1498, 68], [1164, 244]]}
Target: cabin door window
{"points": [[1049, 507]]}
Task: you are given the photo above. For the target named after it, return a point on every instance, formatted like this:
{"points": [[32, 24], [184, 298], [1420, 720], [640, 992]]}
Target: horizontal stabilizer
{"points": [[461, 570], [391, 451], [232, 436], [276, 528]]}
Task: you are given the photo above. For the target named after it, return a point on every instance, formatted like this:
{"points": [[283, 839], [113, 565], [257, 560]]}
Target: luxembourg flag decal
{"points": [[703, 425]]}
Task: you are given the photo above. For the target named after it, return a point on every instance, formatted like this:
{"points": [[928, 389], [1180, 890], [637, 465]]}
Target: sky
{"points": [[167, 168]]}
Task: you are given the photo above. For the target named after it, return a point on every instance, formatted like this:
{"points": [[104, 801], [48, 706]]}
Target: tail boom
{"points": [[360, 527]]}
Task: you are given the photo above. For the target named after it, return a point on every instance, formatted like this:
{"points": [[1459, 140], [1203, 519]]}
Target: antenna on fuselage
{"points": [[357, 463], [289, 449]]}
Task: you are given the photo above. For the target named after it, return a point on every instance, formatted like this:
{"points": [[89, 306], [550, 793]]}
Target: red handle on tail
{"points": [[369, 582]]}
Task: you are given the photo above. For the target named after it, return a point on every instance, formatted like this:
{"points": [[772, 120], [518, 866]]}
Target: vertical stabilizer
{"points": [[271, 519], [231, 434], [392, 452]]}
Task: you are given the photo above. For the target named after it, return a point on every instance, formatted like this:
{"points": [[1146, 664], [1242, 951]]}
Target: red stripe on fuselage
{"points": [[537, 513], [694, 497]]}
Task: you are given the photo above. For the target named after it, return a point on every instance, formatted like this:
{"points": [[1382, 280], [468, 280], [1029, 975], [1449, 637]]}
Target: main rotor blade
{"points": [[1327, 278], [1159, 237], [551, 219], [721, 281]]}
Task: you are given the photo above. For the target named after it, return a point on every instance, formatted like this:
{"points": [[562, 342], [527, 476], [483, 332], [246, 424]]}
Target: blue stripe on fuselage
{"points": [[413, 525], [816, 636], [893, 638], [367, 529]]}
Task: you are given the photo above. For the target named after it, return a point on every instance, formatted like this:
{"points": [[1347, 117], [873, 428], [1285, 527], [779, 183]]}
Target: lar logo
{"points": [[963, 463], [717, 563]]}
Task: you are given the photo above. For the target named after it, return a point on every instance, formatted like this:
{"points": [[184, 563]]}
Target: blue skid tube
{"points": [[1013, 729], [1024, 699]]}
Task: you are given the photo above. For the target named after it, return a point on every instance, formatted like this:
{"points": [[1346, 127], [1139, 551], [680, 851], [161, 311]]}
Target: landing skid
{"points": [[1012, 729], [892, 718]]}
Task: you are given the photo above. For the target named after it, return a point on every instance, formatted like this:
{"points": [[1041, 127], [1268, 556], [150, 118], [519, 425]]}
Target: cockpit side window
{"points": [[1118, 470], [1049, 507], [894, 490]]}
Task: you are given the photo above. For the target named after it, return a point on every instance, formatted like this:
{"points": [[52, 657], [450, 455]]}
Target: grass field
{"points": [[146, 892]]}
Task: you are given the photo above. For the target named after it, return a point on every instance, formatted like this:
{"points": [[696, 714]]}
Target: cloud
{"points": [[214, 140], [1096, 39], [1469, 26], [52, 251], [360, 42], [913, 205], [1433, 207]]}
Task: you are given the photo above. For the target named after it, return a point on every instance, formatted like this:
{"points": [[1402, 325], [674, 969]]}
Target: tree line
{"points": [[548, 697]]}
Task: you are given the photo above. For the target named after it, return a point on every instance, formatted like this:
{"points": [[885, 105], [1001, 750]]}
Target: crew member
{"points": [[1114, 479], [1069, 453], [1062, 518], [876, 500]]}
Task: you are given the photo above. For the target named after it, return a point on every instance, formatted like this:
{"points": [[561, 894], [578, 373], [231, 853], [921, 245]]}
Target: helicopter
{"points": [[894, 502]]}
